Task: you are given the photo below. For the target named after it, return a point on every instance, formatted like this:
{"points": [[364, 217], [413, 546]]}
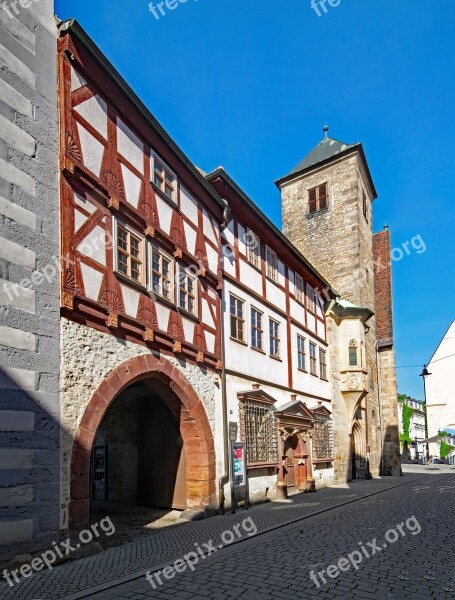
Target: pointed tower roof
{"points": [[327, 150]]}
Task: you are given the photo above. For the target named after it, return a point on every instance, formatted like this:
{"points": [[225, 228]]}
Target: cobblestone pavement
{"points": [[276, 564]]}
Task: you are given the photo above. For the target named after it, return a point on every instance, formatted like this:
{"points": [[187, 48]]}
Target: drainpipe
{"points": [[226, 475]]}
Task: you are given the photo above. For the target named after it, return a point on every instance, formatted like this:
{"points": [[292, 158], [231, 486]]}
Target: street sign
{"points": [[233, 430]]}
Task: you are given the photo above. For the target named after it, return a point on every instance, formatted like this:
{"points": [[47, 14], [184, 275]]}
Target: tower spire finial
{"points": [[325, 129]]}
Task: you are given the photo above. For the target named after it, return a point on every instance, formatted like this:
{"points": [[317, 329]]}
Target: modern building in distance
{"points": [[440, 386], [417, 431]]}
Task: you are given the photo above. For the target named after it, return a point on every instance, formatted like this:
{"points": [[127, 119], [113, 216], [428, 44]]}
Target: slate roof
{"points": [[326, 149]]}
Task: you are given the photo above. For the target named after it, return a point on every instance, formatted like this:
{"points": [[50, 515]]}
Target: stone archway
{"points": [[195, 430], [358, 455]]}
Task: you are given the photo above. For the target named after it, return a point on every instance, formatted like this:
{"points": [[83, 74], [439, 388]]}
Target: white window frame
{"points": [[299, 289], [278, 338], [153, 248], [253, 252], [313, 358], [257, 329], [116, 222], [272, 264], [181, 269], [301, 352], [157, 158]]}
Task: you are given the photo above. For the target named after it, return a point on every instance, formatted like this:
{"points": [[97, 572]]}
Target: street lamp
{"points": [[425, 373]]}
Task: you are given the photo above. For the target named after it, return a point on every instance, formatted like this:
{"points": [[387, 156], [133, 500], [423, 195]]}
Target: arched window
{"points": [[353, 354]]}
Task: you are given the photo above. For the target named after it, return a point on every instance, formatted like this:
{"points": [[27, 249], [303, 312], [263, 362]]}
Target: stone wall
{"points": [[338, 242], [29, 312], [88, 356]]}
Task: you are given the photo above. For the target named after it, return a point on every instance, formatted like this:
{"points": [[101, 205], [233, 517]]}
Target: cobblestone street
{"points": [[277, 562]]}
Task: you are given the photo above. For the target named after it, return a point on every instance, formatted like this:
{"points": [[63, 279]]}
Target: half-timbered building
{"points": [[276, 351], [141, 278]]}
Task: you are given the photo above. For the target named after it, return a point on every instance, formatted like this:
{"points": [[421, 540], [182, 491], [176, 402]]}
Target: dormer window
{"points": [[318, 199]]}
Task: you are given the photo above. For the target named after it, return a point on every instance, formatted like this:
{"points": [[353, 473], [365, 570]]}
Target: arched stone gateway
{"points": [[194, 427]]}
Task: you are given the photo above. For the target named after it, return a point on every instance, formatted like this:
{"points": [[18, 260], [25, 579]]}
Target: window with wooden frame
{"points": [[129, 253], [299, 289], [162, 273], [274, 333], [187, 292], [164, 179], [353, 354], [257, 333], [261, 436], [253, 244], [322, 364], [313, 359], [237, 313], [272, 264], [301, 354], [318, 199], [310, 298]]}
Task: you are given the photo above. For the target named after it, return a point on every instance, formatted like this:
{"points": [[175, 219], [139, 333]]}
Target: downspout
{"points": [[224, 479]]}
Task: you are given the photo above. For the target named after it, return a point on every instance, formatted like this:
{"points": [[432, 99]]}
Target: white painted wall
{"points": [[440, 386]]}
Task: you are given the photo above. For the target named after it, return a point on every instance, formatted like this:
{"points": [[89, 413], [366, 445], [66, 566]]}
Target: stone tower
{"points": [[327, 214]]}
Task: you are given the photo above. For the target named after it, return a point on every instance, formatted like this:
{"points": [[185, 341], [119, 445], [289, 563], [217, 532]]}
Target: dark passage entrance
{"points": [[145, 456], [161, 464]]}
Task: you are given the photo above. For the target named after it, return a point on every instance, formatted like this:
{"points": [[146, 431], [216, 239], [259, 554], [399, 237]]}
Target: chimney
{"points": [[256, 386]]}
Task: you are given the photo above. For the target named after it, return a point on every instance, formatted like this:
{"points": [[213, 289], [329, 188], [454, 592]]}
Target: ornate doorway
{"points": [[290, 446]]}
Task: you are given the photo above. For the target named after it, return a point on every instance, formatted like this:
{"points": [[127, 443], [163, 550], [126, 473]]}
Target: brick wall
{"points": [[383, 287]]}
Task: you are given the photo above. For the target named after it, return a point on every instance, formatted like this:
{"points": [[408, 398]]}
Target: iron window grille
{"points": [[323, 438], [261, 438]]}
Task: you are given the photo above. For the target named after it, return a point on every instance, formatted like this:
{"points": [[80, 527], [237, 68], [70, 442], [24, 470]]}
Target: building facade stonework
{"points": [[327, 213], [178, 313], [29, 288]]}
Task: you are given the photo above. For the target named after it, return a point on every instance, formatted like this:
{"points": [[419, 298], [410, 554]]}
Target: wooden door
{"points": [[162, 463], [289, 463]]}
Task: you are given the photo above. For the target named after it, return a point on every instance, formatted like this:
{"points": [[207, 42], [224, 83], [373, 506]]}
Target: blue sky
{"points": [[248, 84]]}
